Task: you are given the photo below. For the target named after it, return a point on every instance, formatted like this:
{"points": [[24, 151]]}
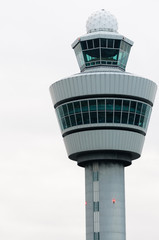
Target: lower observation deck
{"points": [[103, 115], [99, 111]]}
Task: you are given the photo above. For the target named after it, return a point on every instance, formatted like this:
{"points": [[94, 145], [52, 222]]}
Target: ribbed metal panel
{"points": [[104, 140], [103, 83]]}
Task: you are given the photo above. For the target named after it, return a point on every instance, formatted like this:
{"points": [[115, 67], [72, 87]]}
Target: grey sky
{"points": [[41, 191]]}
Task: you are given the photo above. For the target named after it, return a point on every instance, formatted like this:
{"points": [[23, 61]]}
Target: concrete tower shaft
{"points": [[103, 113], [105, 201]]}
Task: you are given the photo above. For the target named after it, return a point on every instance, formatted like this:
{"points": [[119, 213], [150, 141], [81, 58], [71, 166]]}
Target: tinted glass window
{"points": [[101, 117], [109, 105], [139, 106], [101, 105], [143, 109], [110, 43], [103, 42], [117, 117], [131, 118], [93, 116], [133, 106], [86, 119], [77, 107], [65, 110], [84, 105], [90, 44], [141, 121], [70, 108], [137, 117], [79, 119], [68, 124], [96, 43], [109, 54], [84, 45], [109, 118], [118, 104], [117, 44], [124, 118], [61, 111], [92, 105], [126, 105], [104, 110], [73, 121], [91, 55]]}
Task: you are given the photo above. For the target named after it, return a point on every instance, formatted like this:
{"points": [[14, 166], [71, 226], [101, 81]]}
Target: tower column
{"points": [[105, 201]]}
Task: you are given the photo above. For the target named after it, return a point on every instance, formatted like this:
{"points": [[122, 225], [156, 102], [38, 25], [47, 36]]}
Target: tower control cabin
{"points": [[103, 113]]}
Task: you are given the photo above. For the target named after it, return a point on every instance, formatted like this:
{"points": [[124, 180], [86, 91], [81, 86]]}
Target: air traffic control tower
{"points": [[103, 113]]}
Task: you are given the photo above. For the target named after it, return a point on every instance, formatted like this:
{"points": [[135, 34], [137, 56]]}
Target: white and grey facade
{"points": [[103, 114]]}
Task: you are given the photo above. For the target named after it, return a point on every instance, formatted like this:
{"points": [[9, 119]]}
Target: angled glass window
{"points": [[104, 42], [110, 43], [91, 55], [117, 44], [102, 51], [96, 43], [109, 54], [79, 56], [84, 45], [90, 44]]}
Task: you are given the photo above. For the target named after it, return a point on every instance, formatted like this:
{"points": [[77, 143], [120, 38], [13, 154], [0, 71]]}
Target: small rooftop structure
{"points": [[102, 21]]}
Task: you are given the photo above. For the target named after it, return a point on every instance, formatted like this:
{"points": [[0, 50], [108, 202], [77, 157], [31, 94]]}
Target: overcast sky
{"points": [[41, 191]]}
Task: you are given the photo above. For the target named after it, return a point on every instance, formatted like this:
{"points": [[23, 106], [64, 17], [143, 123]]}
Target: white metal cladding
{"points": [[103, 83], [104, 140]]}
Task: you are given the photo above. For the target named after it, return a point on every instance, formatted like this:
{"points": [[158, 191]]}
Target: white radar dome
{"points": [[102, 21]]}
